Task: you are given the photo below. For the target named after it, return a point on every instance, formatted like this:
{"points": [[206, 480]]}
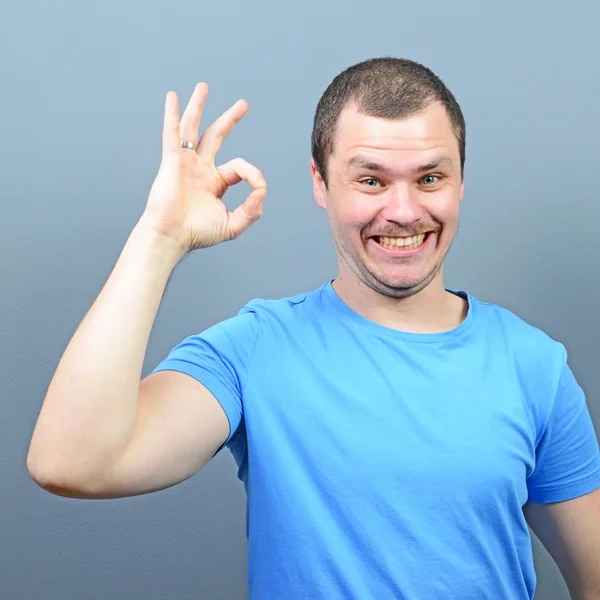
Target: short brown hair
{"points": [[388, 88]]}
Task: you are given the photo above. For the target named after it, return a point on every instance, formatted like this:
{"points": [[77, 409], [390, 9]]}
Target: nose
{"points": [[402, 205]]}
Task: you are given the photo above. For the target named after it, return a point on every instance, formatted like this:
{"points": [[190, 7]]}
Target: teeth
{"points": [[408, 243]]}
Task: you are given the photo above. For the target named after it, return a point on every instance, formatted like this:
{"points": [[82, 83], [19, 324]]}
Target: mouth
{"points": [[401, 246]]}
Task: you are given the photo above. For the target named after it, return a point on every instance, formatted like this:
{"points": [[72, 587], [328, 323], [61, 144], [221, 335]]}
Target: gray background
{"points": [[83, 86]]}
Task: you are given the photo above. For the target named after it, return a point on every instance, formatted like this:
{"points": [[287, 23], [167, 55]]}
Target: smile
{"points": [[401, 247], [406, 243]]}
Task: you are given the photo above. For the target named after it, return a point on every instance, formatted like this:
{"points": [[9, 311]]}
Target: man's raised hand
{"points": [[185, 202]]}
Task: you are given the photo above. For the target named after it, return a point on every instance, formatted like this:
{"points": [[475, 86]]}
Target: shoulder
{"points": [[526, 341], [528, 354], [253, 320], [267, 310]]}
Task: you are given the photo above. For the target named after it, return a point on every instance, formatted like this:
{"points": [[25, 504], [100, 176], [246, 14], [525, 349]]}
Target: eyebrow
{"points": [[364, 163]]}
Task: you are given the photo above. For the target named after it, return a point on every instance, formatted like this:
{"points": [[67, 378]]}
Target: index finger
{"points": [[213, 137]]}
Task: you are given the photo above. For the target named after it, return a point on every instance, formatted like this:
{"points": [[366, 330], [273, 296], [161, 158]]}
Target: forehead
{"points": [[416, 137]]}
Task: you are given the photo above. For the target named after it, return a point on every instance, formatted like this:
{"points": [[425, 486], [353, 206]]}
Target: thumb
{"points": [[247, 213]]}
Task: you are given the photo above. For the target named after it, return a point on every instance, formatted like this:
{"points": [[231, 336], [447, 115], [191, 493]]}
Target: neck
{"points": [[431, 310]]}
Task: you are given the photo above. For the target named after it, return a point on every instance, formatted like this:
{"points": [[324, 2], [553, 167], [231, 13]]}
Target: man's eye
{"points": [[370, 182], [430, 179]]}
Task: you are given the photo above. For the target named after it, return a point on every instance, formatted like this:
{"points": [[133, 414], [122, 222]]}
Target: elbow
{"points": [[48, 477], [62, 481], [34, 467], [41, 473], [60, 487]]}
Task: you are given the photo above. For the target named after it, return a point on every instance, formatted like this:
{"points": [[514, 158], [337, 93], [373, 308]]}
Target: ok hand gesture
{"points": [[185, 202]]}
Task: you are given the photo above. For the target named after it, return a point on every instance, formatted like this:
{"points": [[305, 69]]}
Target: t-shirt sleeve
{"points": [[567, 461], [219, 358]]}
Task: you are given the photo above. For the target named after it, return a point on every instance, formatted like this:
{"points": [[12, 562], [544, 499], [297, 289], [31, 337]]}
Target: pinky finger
{"points": [[171, 135]]}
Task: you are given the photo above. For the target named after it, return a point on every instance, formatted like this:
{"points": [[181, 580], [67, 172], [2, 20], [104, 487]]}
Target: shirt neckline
{"points": [[407, 336]]}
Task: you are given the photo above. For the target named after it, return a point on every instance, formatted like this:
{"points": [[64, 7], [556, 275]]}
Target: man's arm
{"points": [[570, 532], [101, 432]]}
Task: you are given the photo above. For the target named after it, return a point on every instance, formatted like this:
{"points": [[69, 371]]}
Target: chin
{"points": [[402, 289], [397, 287], [401, 285]]}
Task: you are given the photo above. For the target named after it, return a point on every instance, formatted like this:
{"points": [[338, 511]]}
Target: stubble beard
{"points": [[353, 261]]}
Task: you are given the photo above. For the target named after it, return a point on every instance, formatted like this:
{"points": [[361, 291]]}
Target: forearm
{"points": [[90, 408]]}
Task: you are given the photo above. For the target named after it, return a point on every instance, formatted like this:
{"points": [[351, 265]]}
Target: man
{"points": [[395, 437]]}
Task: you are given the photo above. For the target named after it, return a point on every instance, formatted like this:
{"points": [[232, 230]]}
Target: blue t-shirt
{"points": [[386, 465]]}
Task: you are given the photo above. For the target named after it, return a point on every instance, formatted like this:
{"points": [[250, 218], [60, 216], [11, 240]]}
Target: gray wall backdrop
{"points": [[83, 87]]}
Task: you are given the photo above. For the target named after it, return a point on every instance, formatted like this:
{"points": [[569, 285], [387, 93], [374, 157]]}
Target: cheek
{"points": [[443, 207], [353, 211]]}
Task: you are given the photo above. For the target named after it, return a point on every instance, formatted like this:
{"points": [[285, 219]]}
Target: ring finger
{"points": [[190, 121]]}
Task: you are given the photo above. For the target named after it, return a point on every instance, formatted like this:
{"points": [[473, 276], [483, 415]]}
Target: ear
{"points": [[319, 189], [462, 191]]}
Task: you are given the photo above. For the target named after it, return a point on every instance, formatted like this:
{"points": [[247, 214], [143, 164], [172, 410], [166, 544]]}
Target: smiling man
{"points": [[392, 189], [395, 437]]}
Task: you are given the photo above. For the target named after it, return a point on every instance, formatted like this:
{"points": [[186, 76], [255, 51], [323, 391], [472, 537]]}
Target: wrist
{"points": [[146, 235]]}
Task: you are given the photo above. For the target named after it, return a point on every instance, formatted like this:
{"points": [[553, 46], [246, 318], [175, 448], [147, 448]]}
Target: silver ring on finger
{"points": [[189, 145]]}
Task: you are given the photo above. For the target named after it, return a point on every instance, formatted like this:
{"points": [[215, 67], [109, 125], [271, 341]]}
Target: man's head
{"points": [[388, 150]]}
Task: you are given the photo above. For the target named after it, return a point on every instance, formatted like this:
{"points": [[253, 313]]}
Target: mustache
{"points": [[405, 233]]}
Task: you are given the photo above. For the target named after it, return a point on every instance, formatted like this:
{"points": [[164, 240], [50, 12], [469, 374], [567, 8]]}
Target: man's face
{"points": [[395, 178]]}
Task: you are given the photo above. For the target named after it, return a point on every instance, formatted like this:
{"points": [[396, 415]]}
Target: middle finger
{"points": [[213, 137]]}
